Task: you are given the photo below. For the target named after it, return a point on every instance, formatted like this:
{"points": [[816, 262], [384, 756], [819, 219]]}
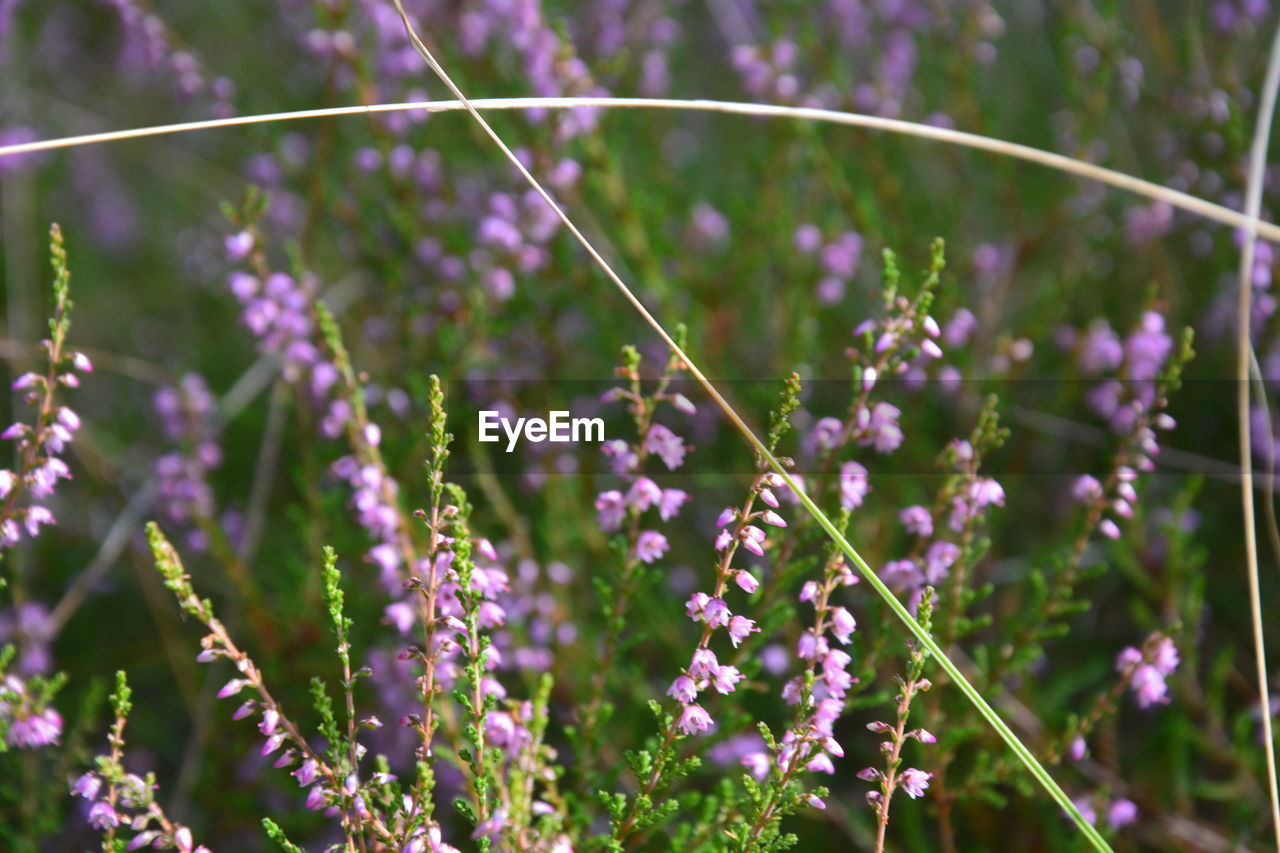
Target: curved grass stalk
{"points": [[1244, 359], [1048, 159], [921, 635]]}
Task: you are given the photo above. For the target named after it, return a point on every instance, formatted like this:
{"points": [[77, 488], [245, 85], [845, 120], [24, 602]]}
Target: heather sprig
{"points": [[1149, 365], [912, 780], [818, 694], [623, 514], [129, 802], [339, 785], [28, 719], [40, 443], [656, 767]]}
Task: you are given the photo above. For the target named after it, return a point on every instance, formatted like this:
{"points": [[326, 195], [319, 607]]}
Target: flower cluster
{"points": [[617, 509], [838, 259], [149, 48], [902, 341], [27, 720], [818, 692], [278, 311], [1148, 365], [184, 493], [712, 611], [1144, 670], [769, 73]]}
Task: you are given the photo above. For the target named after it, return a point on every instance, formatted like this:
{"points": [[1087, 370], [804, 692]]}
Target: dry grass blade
{"points": [[923, 637], [1244, 357], [1048, 159]]}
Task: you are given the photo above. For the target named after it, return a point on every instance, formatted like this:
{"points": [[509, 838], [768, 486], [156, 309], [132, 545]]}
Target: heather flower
{"points": [[103, 816], [753, 539], [650, 546], [694, 719], [726, 677], [668, 446], [842, 624], [740, 628], [670, 502], [88, 786], [1165, 656], [704, 664], [683, 690], [1086, 489], [826, 433], [1121, 813], [853, 485], [716, 613], [610, 510], [914, 782], [1149, 686], [881, 429], [917, 520], [34, 729], [643, 494], [938, 560]]}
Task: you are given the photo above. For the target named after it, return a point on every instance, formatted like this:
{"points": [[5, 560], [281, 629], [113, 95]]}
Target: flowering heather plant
{"points": [[975, 579]]}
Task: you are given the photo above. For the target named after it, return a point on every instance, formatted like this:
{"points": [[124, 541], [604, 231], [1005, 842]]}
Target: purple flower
{"points": [[1085, 807], [102, 816], [704, 664], [650, 546], [669, 503], [1100, 350], [985, 492], [1165, 656], [939, 559], [683, 690], [238, 246], [917, 520], [669, 447], [35, 730], [881, 430], [914, 782], [746, 581], [842, 624], [610, 510], [1121, 813], [716, 613], [726, 678], [757, 764], [825, 434], [753, 539], [740, 628], [1149, 686], [694, 719], [87, 786], [853, 485], [1086, 489], [644, 493], [307, 773]]}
